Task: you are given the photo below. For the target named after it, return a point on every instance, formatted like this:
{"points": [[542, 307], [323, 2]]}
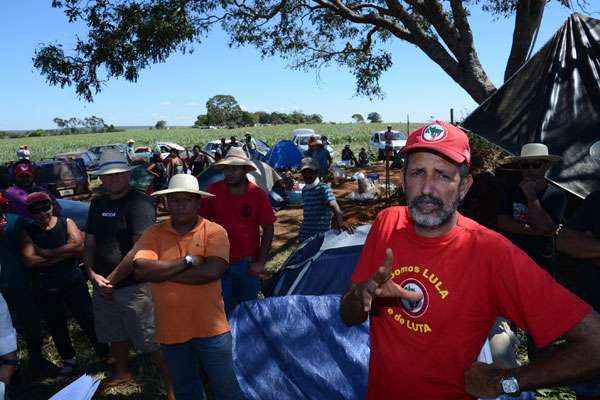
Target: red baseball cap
{"points": [[442, 138], [37, 197], [23, 168]]}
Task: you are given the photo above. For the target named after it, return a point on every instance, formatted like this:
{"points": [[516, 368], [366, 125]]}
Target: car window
{"points": [[376, 137]]}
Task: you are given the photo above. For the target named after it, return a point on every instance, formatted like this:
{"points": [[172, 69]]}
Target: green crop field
{"points": [[45, 147]]}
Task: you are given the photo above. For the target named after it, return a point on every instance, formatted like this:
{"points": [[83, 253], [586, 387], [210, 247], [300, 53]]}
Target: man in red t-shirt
{"points": [[462, 276], [243, 209]]}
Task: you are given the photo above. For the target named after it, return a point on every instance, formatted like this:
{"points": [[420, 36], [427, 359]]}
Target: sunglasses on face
{"points": [[532, 165], [40, 209]]}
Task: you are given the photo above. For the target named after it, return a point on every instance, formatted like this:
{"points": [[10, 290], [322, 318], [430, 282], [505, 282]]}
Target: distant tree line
{"points": [[91, 124], [224, 110]]}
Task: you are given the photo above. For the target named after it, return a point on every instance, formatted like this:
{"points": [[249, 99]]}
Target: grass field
{"points": [[47, 146]]}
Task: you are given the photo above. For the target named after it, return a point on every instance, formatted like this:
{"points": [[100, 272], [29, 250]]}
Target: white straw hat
{"points": [[111, 162], [236, 157], [533, 152], [183, 183]]}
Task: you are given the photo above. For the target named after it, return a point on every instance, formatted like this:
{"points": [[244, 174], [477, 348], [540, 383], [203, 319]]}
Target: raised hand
{"points": [[380, 285]]}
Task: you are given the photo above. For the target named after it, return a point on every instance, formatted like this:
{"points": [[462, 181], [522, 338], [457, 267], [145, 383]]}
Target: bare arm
{"points": [[540, 219], [31, 258], [266, 239], [209, 271], [577, 360], [507, 223], [339, 217], [125, 267], [88, 254], [352, 309], [578, 244], [74, 245], [156, 270]]}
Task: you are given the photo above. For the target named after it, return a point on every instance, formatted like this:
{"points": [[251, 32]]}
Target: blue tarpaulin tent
{"points": [[297, 347], [284, 155]]}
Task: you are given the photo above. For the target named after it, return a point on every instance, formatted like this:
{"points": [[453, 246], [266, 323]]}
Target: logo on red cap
{"points": [[434, 133]]}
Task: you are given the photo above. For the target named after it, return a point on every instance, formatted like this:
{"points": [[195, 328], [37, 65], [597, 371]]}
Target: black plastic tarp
{"points": [[554, 99]]}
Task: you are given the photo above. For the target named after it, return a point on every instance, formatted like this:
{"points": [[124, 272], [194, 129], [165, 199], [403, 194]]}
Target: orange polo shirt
{"points": [[182, 311]]}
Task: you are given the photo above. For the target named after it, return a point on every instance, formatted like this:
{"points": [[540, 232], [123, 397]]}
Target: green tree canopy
{"points": [[374, 117], [126, 36], [358, 118]]}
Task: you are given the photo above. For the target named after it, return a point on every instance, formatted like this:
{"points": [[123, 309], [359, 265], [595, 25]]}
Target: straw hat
{"points": [[533, 152], [111, 162], [183, 183], [236, 157]]}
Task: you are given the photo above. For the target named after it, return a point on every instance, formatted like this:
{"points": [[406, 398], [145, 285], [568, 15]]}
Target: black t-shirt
{"points": [[115, 223], [63, 273], [587, 219], [514, 203]]}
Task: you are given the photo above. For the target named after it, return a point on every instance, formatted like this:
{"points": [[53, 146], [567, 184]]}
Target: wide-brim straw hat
{"points": [[236, 157], [183, 183], [112, 162], [532, 152]]}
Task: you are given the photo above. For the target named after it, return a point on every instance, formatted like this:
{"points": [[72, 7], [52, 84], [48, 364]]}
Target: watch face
{"points": [[510, 386]]}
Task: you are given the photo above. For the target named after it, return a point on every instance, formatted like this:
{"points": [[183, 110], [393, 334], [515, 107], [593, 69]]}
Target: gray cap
{"points": [[309, 163]]}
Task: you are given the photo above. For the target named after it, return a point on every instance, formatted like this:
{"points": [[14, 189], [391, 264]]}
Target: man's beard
{"points": [[435, 218]]}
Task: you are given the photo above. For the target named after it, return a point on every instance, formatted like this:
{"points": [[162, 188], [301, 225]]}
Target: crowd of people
{"points": [[434, 282]]}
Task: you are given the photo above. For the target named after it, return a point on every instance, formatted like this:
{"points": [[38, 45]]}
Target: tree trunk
{"points": [[527, 20]]}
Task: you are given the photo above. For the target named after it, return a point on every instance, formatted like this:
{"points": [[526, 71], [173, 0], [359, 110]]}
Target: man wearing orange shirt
{"points": [[184, 259]]}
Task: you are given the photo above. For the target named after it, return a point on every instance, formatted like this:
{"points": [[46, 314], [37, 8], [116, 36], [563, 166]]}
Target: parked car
{"points": [[211, 147], [300, 138], [63, 178], [87, 157], [377, 142]]}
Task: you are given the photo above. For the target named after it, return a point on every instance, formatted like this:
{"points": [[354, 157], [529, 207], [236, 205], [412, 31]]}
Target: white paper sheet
{"points": [[81, 389]]}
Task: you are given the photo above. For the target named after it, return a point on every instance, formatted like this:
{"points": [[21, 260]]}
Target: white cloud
{"points": [[193, 104], [165, 103], [184, 118]]}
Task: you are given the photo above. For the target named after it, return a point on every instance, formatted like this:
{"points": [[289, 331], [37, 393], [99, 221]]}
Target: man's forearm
{"points": [[209, 271], [575, 361], [539, 217], [266, 240], [352, 310], [125, 267], [157, 271], [578, 244]]}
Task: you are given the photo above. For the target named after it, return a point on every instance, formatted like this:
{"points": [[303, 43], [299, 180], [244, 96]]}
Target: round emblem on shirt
{"points": [[415, 308], [434, 133]]}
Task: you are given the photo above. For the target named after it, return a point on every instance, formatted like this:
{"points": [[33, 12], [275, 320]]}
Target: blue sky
{"points": [[178, 89]]}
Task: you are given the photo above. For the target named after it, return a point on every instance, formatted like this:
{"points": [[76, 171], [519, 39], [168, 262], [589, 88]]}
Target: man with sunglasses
{"points": [[52, 248], [530, 212]]}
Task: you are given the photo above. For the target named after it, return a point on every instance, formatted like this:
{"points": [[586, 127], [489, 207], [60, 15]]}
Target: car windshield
{"points": [[211, 146], [57, 172], [395, 136]]}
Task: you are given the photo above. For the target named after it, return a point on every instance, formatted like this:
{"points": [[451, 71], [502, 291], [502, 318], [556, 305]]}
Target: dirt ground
{"points": [[290, 218]]}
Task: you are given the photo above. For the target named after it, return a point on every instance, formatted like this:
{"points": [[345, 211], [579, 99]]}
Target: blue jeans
{"points": [[237, 286], [215, 355]]}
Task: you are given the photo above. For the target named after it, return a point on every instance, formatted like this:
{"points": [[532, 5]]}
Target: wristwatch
{"points": [[189, 260], [510, 385]]}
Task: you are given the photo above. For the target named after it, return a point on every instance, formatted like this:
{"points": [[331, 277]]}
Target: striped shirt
{"points": [[317, 213]]}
